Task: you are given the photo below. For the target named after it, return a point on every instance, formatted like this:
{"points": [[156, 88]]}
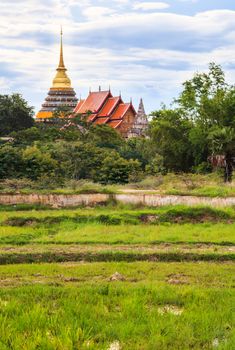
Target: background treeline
{"points": [[198, 124]]}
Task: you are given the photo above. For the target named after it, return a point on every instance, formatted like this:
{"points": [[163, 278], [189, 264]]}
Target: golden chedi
{"points": [[61, 95]]}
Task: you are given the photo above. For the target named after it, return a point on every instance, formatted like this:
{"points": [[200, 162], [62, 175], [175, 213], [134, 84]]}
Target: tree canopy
{"points": [[201, 123], [15, 114]]}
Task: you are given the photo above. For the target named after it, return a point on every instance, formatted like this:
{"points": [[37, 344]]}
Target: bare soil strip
{"points": [[109, 253]]}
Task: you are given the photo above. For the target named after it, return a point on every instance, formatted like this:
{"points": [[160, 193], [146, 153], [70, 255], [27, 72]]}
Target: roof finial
{"points": [[99, 87], [61, 63]]}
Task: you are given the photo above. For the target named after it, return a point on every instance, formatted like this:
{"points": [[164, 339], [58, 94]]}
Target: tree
{"points": [[26, 136], [38, 163], [139, 148], [222, 141], [15, 114], [170, 133], [199, 126], [116, 170], [105, 136], [209, 102], [11, 163]]}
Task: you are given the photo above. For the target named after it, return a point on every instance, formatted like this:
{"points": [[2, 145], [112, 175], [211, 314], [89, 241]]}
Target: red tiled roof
{"points": [[80, 103], [104, 108], [115, 123], [102, 120], [91, 117], [94, 102], [109, 106], [121, 111]]}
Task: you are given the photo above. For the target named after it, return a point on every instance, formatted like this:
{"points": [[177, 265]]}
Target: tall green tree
{"points": [[199, 125], [15, 114], [170, 133], [209, 102]]}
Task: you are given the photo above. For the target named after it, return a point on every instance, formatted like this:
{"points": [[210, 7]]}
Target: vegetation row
{"points": [[193, 134]]}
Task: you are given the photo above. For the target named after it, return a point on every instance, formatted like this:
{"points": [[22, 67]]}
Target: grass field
{"points": [[114, 278]]}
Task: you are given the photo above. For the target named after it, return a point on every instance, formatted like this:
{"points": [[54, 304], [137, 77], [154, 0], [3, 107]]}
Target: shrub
{"points": [[115, 169], [38, 163]]}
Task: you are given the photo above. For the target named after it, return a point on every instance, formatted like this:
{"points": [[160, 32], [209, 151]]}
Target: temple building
{"points": [[140, 126], [61, 94], [100, 107]]}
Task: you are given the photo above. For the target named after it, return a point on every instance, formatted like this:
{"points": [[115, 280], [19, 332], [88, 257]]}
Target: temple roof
{"points": [[115, 123], [109, 106], [91, 117], [102, 120], [44, 114], [80, 103], [94, 102], [104, 108], [121, 111]]}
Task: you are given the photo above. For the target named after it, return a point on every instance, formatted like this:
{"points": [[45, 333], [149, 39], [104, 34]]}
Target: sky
{"points": [[140, 48]]}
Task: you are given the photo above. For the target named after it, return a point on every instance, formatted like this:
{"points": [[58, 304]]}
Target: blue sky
{"points": [[141, 48]]}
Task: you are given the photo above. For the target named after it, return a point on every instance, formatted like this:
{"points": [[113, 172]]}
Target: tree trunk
{"points": [[228, 170]]}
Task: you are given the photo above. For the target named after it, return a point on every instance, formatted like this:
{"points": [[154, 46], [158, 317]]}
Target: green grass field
{"points": [[174, 288]]}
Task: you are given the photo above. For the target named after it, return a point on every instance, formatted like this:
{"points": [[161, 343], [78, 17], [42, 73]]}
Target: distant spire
{"points": [[141, 109], [99, 88]]}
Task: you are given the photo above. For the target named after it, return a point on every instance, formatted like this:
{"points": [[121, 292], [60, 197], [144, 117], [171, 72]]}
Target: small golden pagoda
{"points": [[61, 94]]}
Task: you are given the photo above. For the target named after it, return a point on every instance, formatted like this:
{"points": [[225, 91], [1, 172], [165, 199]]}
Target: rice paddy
{"points": [[117, 278]]}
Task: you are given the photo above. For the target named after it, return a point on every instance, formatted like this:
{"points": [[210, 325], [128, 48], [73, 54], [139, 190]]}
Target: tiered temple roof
{"points": [[103, 108], [61, 94]]}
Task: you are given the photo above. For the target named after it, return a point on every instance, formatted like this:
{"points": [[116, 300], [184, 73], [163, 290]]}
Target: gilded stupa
{"points": [[61, 94]]}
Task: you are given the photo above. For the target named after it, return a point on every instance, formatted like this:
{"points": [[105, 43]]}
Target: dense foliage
{"points": [[15, 114], [199, 124]]}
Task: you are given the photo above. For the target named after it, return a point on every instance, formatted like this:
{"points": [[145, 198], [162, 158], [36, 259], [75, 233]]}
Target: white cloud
{"points": [[151, 6], [97, 12], [145, 54]]}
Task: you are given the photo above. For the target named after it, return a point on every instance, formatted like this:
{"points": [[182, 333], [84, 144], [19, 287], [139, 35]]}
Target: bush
{"points": [[11, 162], [38, 163], [117, 170], [12, 185], [149, 183]]}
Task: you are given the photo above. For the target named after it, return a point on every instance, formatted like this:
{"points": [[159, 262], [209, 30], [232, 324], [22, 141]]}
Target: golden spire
{"points": [[61, 63], [61, 79]]}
